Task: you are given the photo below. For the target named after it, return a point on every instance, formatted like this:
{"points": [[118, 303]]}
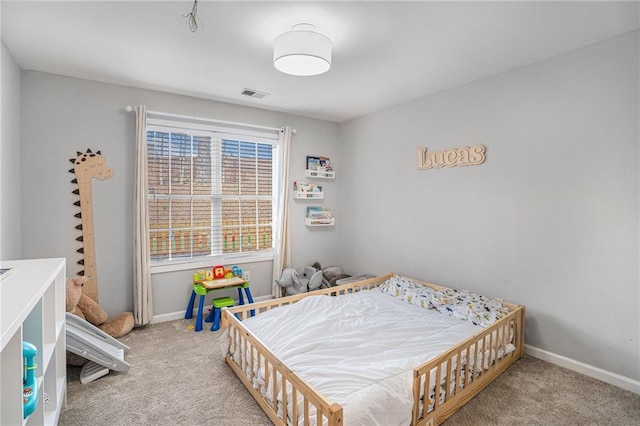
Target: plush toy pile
{"points": [[309, 278], [86, 308]]}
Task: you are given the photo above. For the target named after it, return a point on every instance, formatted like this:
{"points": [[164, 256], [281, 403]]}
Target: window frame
{"points": [[230, 131]]}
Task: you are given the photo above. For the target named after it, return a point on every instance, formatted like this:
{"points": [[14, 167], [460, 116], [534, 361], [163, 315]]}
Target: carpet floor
{"points": [[177, 377]]}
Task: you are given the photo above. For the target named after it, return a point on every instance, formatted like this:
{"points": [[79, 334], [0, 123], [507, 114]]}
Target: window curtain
{"points": [[142, 298], [282, 258]]}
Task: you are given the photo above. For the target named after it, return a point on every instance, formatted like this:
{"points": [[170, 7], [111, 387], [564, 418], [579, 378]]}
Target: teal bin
{"points": [[29, 385]]}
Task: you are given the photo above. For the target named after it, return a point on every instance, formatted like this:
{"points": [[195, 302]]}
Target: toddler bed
{"points": [[386, 350]]}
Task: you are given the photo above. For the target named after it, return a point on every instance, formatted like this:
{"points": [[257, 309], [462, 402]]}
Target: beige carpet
{"points": [[177, 377]]}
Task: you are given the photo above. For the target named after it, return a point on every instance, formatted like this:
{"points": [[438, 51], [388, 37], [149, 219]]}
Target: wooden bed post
{"points": [[520, 327], [335, 415]]}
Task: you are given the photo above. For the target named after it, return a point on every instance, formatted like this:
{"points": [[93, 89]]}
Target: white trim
{"points": [[180, 315], [612, 378], [214, 132], [164, 118], [211, 261]]}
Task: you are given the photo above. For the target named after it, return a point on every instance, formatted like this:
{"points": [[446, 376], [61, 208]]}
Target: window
{"points": [[211, 191]]}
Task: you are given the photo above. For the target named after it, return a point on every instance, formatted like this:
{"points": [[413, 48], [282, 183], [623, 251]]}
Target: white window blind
{"points": [[211, 192]]}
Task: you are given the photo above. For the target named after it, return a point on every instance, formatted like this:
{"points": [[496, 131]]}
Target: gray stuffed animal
{"points": [[332, 274], [302, 280]]}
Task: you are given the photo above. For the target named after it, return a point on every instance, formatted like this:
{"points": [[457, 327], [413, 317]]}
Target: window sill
{"points": [[209, 262]]}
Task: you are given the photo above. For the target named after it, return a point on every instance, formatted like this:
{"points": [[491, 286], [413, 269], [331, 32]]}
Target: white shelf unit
{"points": [[32, 302], [320, 174], [319, 222]]}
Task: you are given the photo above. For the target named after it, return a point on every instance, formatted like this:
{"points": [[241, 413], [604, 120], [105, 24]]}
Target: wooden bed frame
{"points": [[329, 413]]}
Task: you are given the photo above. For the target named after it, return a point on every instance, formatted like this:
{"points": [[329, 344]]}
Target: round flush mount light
{"points": [[302, 51]]}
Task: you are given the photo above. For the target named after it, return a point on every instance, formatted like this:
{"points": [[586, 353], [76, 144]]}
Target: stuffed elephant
{"points": [[290, 282], [302, 280]]}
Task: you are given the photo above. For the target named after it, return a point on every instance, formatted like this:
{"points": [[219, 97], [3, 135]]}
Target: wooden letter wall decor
{"points": [[465, 156]]}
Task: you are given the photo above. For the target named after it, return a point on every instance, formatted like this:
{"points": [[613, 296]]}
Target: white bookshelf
{"points": [[307, 191], [319, 222], [307, 195], [320, 174], [32, 309]]}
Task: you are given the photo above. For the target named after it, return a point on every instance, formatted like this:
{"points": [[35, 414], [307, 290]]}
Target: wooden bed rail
{"points": [[288, 396], [453, 376], [244, 311]]}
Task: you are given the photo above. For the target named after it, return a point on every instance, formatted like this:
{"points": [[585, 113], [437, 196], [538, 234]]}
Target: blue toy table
{"points": [[202, 288]]}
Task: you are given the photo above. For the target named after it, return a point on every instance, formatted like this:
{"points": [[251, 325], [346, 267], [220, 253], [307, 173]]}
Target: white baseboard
{"points": [[180, 314], [615, 379]]}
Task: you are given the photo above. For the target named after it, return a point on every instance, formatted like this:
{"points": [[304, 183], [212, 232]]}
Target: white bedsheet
{"points": [[361, 350]]}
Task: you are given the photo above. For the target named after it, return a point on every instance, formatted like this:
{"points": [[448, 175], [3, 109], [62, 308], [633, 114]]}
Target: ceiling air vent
{"points": [[253, 93]]}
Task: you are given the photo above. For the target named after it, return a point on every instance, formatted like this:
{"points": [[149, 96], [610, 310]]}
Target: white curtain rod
{"points": [[129, 108]]}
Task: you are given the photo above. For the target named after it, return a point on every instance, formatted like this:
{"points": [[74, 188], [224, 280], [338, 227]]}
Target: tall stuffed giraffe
{"points": [[87, 166]]}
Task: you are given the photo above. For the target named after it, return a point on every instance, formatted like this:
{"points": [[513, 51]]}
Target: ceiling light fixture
{"points": [[302, 51]]}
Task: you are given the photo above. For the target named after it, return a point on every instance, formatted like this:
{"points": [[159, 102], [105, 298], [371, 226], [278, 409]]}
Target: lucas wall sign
{"points": [[464, 156]]}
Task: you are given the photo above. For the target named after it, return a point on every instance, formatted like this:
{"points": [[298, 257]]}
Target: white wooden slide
{"points": [[103, 351]]}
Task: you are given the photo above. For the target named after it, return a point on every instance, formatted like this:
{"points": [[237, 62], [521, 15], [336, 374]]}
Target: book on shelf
{"points": [[312, 162], [306, 187], [314, 212], [319, 164], [325, 164]]}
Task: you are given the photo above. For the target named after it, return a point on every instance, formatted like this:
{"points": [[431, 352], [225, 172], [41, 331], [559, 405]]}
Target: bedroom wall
{"points": [[550, 220], [10, 222], [63, 115]]}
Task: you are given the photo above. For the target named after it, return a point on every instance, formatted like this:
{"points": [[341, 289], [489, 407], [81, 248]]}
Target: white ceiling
{"points": [[385, 53]]}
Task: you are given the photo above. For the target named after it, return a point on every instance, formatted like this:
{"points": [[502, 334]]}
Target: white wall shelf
{"points": [[33, 310], [307, 191], [317, 167], [320, 174], [306, 195], [319, 222]]}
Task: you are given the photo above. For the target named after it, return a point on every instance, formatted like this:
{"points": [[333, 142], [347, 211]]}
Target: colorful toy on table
{"points": [[200, 276], [237, 271], [218, 272], [29, 385]]}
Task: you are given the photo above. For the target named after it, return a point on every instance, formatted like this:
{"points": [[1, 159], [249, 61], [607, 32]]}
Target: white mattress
{"points": [[358, 350]]}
